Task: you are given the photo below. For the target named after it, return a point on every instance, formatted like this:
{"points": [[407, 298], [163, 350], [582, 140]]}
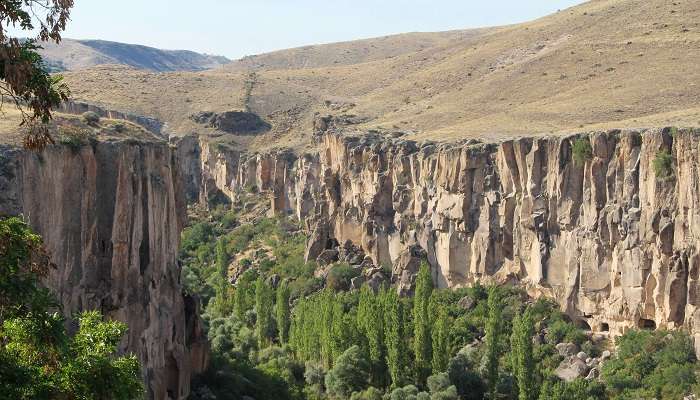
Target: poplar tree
{"points": [[395, 337], [521, 347], [493, 333], [244, 295], [282, 312], [371, 322], [421, 323], [325, 319], [263, 309], [440, 337]]}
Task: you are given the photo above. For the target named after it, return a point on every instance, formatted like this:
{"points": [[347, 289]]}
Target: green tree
{"points": [[440, 340], [282, 311], [264, 303], [370, 321], [24, 78], [521, 353], [349, 374], [493, 333], [421, 323], [244, 294], [395, 337], [38, 359]]}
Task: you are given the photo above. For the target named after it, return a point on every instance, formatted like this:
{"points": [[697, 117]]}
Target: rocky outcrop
{"points": [[111, 215], [610, 239], [150, 124], [234, 122]]}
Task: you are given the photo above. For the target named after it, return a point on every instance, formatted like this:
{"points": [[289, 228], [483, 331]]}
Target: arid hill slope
{"points": [[80, 54], [605, 63]]}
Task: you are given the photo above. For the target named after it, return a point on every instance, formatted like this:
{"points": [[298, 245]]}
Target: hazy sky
{"points": [[235, 28]]}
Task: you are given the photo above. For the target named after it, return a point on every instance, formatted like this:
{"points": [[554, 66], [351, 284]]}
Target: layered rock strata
{"points": [[612, 237], [111, 215]]}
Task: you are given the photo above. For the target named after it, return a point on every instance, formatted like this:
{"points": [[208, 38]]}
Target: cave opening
{"points": [[583, 324], [604, 327], [647, 324]]}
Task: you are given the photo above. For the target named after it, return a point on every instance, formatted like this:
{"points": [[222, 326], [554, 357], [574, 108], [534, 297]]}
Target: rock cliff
{"points": [[611, 235], [111, 215]]}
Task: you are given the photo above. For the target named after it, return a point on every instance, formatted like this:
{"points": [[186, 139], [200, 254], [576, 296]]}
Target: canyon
{"points": [[606, 237], [610, 240]]}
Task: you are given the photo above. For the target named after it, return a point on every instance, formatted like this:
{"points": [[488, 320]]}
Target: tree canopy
{"points": [[38, 358], [24, 79]]}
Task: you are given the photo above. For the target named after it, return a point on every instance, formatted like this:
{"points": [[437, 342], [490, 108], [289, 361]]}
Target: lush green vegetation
{"points": [[282, 339], [38, 358]]}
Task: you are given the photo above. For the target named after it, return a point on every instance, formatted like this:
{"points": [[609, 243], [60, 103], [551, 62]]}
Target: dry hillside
{"points": [[605, 63], [73, 55]]}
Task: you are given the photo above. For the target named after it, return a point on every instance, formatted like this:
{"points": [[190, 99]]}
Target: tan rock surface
{"points": [[613, 243], [111, 215]]}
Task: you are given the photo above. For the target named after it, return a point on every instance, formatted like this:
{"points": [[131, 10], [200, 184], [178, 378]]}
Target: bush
{"points": [[91, 118], [663, 164], [582, 150], [652, 365], [339, 277], [561, 331], [350, 373], [75, 139], [371, 393], [462, 375]]}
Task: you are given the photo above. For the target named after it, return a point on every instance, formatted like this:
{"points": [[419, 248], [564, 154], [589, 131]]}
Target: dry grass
{"points": [[603, 64], [68, 128]]}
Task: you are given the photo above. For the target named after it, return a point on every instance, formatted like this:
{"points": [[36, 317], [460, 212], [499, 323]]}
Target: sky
{"points": [[236, 28]]}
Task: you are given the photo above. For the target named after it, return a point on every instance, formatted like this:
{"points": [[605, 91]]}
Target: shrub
{"points": [[350, 373], [663, 164], [463, 376], [582, 150], [339, 277], [75, 139], [91, 118], [371, 393], [652, 365]]}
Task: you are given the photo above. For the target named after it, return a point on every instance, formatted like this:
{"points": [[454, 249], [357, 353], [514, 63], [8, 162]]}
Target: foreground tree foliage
{"points": [[469, 343], [24, 79], [38, 359]]}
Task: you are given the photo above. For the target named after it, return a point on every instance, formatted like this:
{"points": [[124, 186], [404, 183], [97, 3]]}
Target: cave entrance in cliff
{"points": [[582, 324], [604, 327], [648, 324]]}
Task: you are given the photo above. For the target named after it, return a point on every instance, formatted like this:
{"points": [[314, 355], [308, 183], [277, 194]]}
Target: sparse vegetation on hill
{"points": [[601, 65]]}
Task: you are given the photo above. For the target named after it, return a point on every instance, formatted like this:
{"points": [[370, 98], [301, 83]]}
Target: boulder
{"points": [[592, 374], [582, 356], [327, 256], [406, 268], [571, 368], [566, 349], [466, 303], [235, 122], [317, 242], [376, 281], [356, 282]]}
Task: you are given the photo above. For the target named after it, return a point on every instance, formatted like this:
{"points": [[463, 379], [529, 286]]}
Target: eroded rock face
{"points": [[235, 122], [111, 216], [613, 243]]}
